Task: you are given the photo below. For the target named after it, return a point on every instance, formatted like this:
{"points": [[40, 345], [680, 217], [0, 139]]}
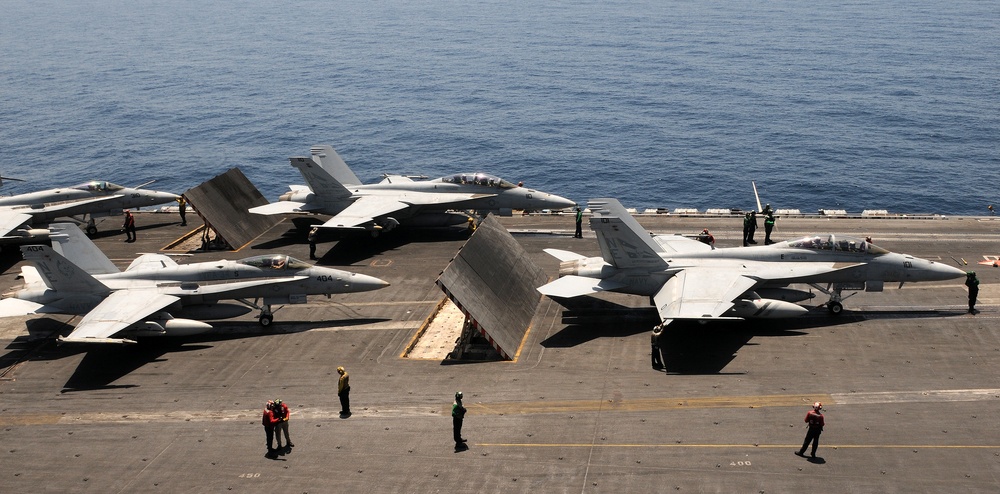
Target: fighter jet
{"points": [[335, 190], [86, 201], [75, 277], [687, 279]]}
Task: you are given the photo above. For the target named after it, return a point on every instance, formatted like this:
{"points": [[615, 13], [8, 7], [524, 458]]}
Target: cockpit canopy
{"points": [[276, 261], [98, 186], [483, 179], [837, 243]]}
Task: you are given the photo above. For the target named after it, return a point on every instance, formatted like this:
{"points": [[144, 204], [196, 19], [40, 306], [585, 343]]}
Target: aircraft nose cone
{"points": [[946, 272], [164, 196], [559, 202], [365, 283]]}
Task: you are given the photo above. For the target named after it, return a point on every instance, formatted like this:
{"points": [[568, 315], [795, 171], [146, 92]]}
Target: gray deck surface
{"points": [[909, 380]]}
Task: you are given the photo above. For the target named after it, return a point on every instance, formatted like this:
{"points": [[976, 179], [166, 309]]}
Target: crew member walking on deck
{"points": [[129, 226], [815, 420], [344, 392], [973, 283]]}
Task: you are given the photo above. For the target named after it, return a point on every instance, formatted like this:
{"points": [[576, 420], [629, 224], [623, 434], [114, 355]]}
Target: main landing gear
{"points": [[266, 316], [836, 303]]}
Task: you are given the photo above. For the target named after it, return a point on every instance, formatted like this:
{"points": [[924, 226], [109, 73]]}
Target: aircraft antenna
{"points": [[756, 196]]}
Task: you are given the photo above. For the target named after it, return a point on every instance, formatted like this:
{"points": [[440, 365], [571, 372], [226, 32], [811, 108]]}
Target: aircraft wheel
{"points": [[91, 230], [265, 320], [835, 308]]}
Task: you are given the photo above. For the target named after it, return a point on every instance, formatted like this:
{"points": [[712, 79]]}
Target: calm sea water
{"points": [[842, 104]]}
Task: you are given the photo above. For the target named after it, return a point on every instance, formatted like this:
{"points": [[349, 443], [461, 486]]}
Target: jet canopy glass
{"points": [[837, 243], [278, 261], [483, 179], [98, 186]]}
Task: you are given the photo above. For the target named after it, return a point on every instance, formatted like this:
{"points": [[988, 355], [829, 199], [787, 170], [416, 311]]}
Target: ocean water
{"points": [[843, 104]]}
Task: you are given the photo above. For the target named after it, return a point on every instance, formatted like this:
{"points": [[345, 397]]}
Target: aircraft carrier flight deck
{"points": [[910, 382]]}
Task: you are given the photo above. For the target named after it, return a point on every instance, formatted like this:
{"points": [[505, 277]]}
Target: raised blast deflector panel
{"points": [[493, 281]]}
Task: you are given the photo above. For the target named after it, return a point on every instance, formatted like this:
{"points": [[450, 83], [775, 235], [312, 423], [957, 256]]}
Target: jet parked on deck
{"points": [[83, 202], [687, 279], [75, 277], [335, 190]]}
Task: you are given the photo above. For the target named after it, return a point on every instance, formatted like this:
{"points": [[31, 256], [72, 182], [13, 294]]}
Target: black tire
{"points": [[835, 308], [91, 230], [265, 320]]}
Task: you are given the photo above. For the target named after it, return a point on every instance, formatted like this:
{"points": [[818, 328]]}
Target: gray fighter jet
{"points": [[687, 279], [75, 277], [334, 190], [84, 202]]}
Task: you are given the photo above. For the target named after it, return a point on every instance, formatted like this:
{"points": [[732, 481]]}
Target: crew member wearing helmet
{"points": [[344, 392], [768, 225], [129, 227], [282, 414], [457, 416], [706, 238], [815, 420], [268, 421], [973, 283]]}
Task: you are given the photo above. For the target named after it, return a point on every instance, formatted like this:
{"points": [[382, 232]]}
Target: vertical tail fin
{"points": [[327, 190], [59, 273], [69, 241], [624, 242], [333, 164]]}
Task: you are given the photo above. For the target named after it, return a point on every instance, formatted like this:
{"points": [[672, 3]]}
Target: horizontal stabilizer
{"points": [[564, 255], [575, 286], [14, 307], [280, 207]]}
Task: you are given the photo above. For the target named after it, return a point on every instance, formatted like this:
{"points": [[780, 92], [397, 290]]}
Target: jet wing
{"points": [[182, 289], [441, 198], [55, 208], [681, 244], [364, 210], [700, 293], [118, 311], [151, 262], [10, 220], [575, 286]]}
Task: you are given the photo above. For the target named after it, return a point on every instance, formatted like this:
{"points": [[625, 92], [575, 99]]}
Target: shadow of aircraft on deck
{"points": [[692, 347], [103, 365], [351, 248]]}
